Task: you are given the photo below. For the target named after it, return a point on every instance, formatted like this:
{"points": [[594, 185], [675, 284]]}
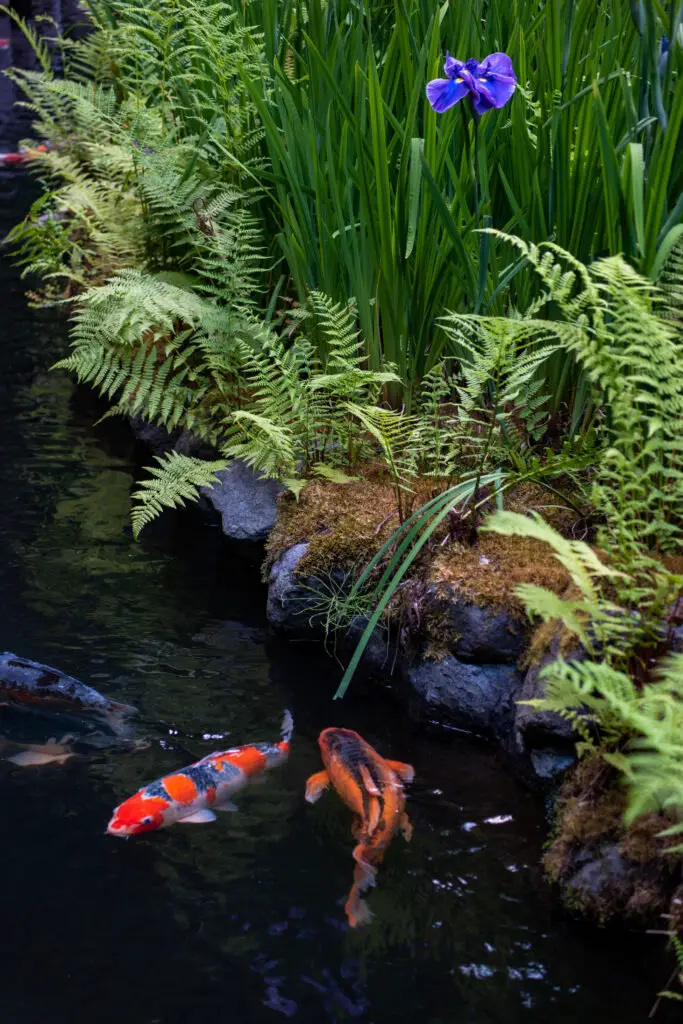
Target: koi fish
{"points": [[24, 154], [28, 682], [372, 787], [189, 795]]}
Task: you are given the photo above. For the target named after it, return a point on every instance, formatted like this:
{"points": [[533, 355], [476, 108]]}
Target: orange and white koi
{"points": [[193, 794], [372, 787]]}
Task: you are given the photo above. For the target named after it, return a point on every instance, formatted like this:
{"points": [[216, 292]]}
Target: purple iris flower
{"points": [[489, 84]]}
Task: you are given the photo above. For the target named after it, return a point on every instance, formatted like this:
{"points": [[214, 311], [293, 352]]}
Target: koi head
{"points": [[138, 814]]}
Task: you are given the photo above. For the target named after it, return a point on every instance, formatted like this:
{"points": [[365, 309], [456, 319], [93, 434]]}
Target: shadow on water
{"points": [[243, 919]]}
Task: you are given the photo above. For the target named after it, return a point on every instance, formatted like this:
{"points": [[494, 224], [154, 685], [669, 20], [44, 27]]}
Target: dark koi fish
{"points": [[192, 794], [372, 788], [28, 682]]}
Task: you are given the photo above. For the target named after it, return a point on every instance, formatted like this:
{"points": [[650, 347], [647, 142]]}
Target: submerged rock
{"points": [[247, 503], [476, 697]]}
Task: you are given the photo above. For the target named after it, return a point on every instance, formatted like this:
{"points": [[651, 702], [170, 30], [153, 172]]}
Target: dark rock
{"points": [[542, 729], [159, 440], [247, 502], [380, 657], [475, 632], [606, 884], [475, 697], [296, 607], [548, 765]]}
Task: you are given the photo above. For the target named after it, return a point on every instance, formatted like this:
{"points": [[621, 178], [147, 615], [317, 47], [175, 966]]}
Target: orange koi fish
{"points": [[190, 794], [372, 788]]}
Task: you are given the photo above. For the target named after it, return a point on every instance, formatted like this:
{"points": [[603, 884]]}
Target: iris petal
{"points": [[498, 64], [493, 92], [452, 67], [444, 93]]}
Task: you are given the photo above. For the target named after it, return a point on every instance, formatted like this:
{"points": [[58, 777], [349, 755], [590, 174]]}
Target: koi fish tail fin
{"points": [[116, 717], [365, 873], [287, 727], [357, 911]]}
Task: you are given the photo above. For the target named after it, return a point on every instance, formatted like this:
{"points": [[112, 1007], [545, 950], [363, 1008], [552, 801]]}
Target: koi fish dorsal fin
{"points": [[316, 786], [405, 772], [368, 781]]}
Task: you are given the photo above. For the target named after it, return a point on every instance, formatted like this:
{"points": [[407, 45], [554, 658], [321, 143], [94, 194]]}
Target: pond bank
{"points": [[457, 654]]}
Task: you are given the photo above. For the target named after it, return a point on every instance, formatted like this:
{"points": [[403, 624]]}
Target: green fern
{"points": [[174, 482]]}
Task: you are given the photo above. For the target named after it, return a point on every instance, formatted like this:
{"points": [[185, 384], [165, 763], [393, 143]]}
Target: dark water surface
{"points": [[241, 919]]}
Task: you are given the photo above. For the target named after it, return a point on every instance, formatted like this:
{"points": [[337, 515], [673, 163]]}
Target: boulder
{"points": [[247, 503], [475, 632], [479, 698]]}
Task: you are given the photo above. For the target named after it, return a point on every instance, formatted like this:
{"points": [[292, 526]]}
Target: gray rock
{"points": [[289, 601], [476, 632], [475, 697], [247, 503]]}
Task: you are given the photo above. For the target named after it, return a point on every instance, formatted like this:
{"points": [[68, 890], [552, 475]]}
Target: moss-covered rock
{"points": [[604, 869]]}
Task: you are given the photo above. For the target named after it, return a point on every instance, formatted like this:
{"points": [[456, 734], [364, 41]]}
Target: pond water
{"points": [[241, 919]]}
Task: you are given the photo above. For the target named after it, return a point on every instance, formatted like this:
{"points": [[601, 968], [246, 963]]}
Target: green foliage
{"points": [[173, 482], [301, 410]]}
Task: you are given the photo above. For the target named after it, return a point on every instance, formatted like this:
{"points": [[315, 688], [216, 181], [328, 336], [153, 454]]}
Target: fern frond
{"points": [[174, 482]]}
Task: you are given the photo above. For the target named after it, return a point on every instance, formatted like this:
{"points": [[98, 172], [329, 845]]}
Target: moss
{"points": [[342, 523], [345, 525], [490, 571], [589, 826]]}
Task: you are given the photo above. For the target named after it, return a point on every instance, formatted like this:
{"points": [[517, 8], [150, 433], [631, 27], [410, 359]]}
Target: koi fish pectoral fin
{"points": [[316, 786], [226, 805], [27, 758], [406, 828], [198, 817], [405, 772], [368, 781]]}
